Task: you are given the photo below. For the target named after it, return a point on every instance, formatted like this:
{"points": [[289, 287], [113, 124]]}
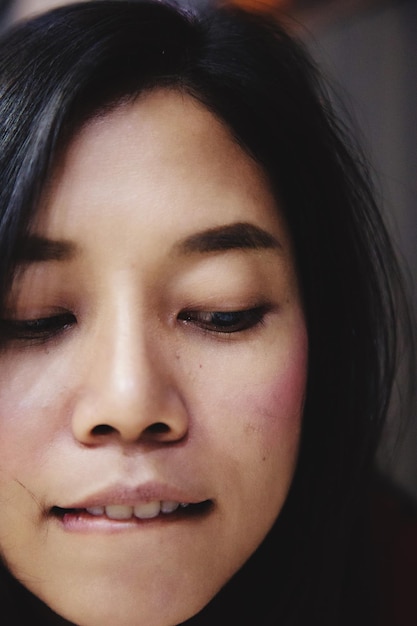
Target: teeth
{"points": [[147, 510], [119, 511], [169, 507], [96, 510], [143, 510]]}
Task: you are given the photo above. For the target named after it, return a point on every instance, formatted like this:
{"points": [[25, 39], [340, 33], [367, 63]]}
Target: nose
{"points": [[126, 392]]}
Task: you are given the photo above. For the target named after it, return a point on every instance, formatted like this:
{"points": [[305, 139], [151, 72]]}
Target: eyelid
{"points": [[234, 321], [36, 329]]}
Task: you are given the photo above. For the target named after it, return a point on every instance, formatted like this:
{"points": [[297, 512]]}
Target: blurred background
{"points": [[368, 51]]}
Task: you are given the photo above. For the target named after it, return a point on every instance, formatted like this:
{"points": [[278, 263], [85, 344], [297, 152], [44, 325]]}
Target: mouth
{"points": [[140, 511]]}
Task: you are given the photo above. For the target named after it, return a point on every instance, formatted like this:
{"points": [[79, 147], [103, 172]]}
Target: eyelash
{"points": [[40, 330], [226, 322], [36, 330]]}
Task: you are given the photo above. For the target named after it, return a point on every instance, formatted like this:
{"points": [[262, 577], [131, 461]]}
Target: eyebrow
{"points": [[236, 236], [36, 248]]}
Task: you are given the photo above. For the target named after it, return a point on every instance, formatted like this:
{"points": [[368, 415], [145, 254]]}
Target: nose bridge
{"points": [[128, 362], [128, 392]]}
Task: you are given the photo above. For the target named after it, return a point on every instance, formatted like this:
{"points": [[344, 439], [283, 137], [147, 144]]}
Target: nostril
{"points": [[159, 428], [102, 429]]}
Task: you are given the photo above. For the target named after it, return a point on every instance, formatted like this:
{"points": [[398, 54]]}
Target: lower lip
{"points": [[81, 521]]}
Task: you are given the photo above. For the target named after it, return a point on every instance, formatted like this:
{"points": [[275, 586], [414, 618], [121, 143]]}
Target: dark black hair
{"points": [[57, 70]]}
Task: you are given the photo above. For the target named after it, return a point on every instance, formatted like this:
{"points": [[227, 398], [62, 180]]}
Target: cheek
{"points": [[272, 398], [251, 408], [276, 405], [31, 410], [271, 426]]}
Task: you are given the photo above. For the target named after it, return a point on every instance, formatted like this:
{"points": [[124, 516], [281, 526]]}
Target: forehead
{"points": [[163, 127], [165, 156]]}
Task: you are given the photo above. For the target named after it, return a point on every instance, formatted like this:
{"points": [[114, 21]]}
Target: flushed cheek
{"points": [[268, 400], [275, 407]]}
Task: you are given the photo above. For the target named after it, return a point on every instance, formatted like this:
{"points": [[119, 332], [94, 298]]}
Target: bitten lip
{"points": [[121, 494]]}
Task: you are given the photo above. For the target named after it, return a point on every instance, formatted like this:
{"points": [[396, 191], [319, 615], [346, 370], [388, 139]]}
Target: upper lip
{"points": [[132, 495]]}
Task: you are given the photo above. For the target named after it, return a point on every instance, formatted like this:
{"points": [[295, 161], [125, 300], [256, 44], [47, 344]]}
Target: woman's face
{"points": [[152, 386]]}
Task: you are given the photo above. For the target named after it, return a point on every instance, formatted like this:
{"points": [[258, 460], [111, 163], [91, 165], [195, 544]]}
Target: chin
{"points": [[155, 605]]}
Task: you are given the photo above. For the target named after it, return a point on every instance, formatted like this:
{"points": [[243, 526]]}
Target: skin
{"points": [[137, 393], [23, 9]]}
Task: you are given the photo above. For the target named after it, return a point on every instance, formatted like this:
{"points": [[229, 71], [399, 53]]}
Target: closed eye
{"points": [[35, 330], [225, 321]]}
